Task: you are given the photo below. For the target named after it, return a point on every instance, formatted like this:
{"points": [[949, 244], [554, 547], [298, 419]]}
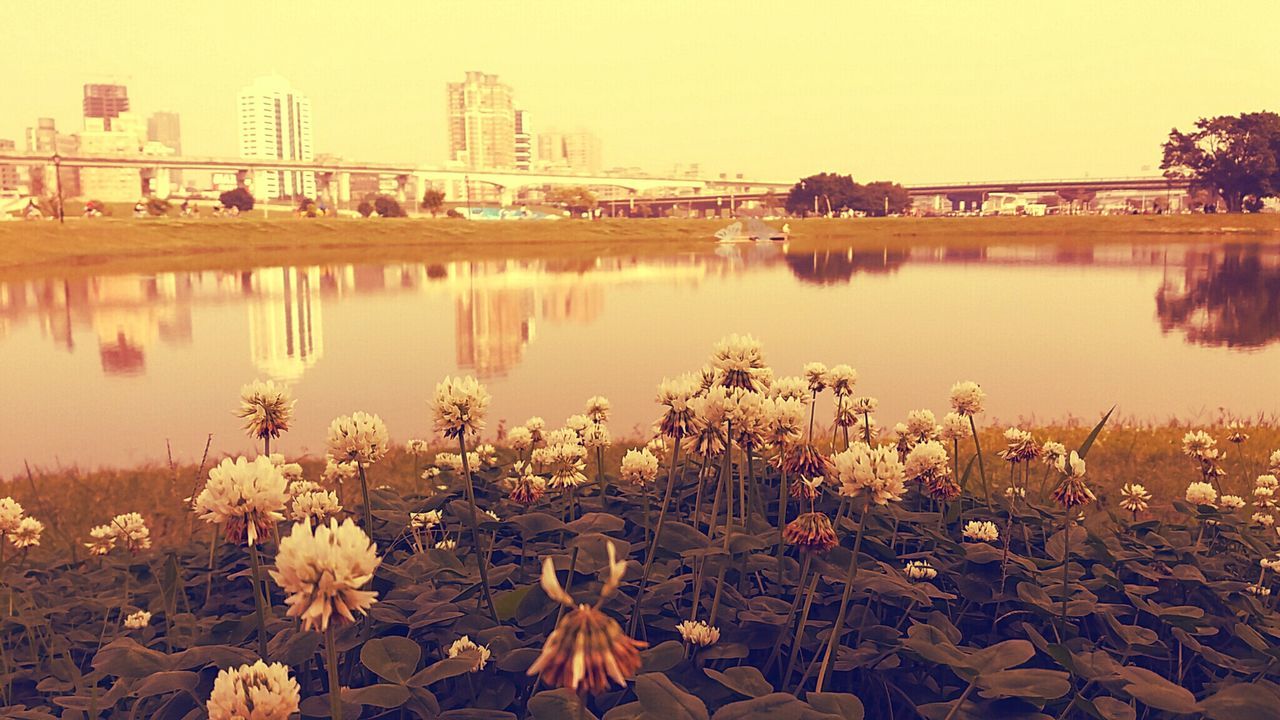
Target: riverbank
{"points": [[106, 246]]}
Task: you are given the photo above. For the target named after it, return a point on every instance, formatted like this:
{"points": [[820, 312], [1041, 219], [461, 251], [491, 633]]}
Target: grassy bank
{"points": [[41, 249]]}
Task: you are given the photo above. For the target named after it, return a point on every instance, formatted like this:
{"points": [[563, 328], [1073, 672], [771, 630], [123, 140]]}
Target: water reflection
{"points": [[1227, 297]]}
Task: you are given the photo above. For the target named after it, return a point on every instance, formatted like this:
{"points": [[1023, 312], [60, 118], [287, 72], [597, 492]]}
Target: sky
{"points": [[913, 92]]}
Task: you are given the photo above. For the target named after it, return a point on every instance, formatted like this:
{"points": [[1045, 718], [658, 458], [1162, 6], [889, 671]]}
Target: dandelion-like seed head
{"points": [[358, 438], [981, 531], [812, 532], [967, 398], [459, 406], [323, 569], [266, 408], [254, 692], [698, 632], [247, 498], [464, 644]]}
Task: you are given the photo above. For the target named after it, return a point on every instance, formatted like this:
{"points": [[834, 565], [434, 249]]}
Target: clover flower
{"points": [[465, 644], [803, 460], [928, 464], [596, 436], [981, 531], [1051, 452], [102, 540], [877, 472], [520, 438], [791, 388], [783, 421], [10, 515], [526, 487], [738, 362], [921, 425], [323, 570], [127, 530], [811, 532], [1258, 590], [587, 651], [578, 424], [28, 533], [1020, 446], [677, 418], [920, 570], [1231, 502], [316, 507], [1237, 432], [955, 427], [1273, 463], [359, 437], [138, 620], [266, 408], [815, 373], [864, 405], [1134, 498], [1013, 492], [1201, 493], [639, 467], [1200, 445], [598, 408], [806, 488], [254, 692], [459, 406], [566, 462], [337, 471], [1272, 564], [1264, 519], [1072, 491], [535, 425], [967, 398], [246, 497], [841, 378], [425, 520], [562, 436], [447, 544], [698, 632]]}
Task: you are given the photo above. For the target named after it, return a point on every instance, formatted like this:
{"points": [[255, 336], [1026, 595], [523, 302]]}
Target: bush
{"points": [[387, 206], [239, 198], [365, 208], [307, 208], [157, 207], [453, 213]]}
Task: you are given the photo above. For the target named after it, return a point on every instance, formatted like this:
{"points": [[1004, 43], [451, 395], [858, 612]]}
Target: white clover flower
{"points": [[464, 644], [783, 421], [920, 570], [1073, 466], [425, 520], [598, 408], [1015, 493], [447, 544], [967, 398], [578, 424], [323, 571], [1258, 590], [266, 408], [596, 435], [449, 461], [1199, 445], [1020, 446], [247, 498], [1270, 563], [432, 473], [927, 460], [954, 427], [416, 446], [677, 417], [981, 531], [127, 530], [1201, 493], [1273, 464], [459, 406], [791, 388], [698, 632], [842, 378], [1051, 451], [138, 620], [921, 425], [1264, 519], [491, 515], [316, 507], [10, 515], [863, 405], [28, 533], [102, 540], [738, 362], [254, 692], [566, 463], [657, 446], [1134, 497], [358, 437], [563, 436], [816, 375], [520, 438], [338, 471], [1231, 502], [874, 471], [639, 467], [291, 471], [486, 454]]}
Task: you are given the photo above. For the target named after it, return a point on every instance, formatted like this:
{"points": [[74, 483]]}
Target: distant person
{"points": [[786, 228], [32, 211], [139, 209]]}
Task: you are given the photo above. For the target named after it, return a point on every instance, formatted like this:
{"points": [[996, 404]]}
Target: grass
{"points": [[108, 245]]}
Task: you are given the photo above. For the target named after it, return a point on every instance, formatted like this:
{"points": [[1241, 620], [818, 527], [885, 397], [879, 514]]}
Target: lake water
{"points": [[102, 370]]}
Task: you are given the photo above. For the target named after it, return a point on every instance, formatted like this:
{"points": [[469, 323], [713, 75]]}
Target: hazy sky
{"points": [[913, 92]]}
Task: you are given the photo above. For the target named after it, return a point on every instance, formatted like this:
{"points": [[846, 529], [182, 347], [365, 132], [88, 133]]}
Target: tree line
{"points": [[1234, 157], [835, 194]]}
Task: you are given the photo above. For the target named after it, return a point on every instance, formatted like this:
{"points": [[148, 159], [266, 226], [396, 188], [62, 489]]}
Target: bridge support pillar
{"points": [[507, 196], [344, 188], [401, 182], [160, 184]]}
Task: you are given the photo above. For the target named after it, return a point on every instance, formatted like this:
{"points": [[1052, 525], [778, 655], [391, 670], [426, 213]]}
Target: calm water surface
{"points": [[103, 370]]}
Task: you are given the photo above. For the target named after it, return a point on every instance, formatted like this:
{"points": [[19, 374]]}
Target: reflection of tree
{"points": [[1230, 297], [834, 267]]}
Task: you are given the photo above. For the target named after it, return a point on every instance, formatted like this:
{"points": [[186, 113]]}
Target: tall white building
{"points": [[275, 123]]}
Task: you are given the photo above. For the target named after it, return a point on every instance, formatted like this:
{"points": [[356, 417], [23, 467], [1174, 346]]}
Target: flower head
{"points": [[266, 408], [738, 362], [138, 620], [598, 408], [425, 520], [316, 507], [254, 692], [459, 406], [816, 375], [698, 632], [1134, 498], [1200, 445], [877, 472], [1020, 446], [1072, 491], [811, 532], [358, 438], [1051, 451], [246, 497], [526, 487], [520, 438], [921, 426], [1202, 493], [677, 419], [639, 467], [842, 378], [803, 460], [1231, 502], [323, 570], [28, 533], [465, 645], [130, 531], [920, 570], [954, 427], [596, 435], [981, 531], [927, 463], [10, 515], [967, 398]]}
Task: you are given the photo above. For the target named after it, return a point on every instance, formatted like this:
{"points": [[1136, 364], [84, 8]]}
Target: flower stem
{"points": [[795, 639], [982, 469], [258, 601], [475, 530], [604, 487], [657, 537], [783, 501], [331, 663], [834, 640], [368, 509], [791, 614], [1066, 563]]}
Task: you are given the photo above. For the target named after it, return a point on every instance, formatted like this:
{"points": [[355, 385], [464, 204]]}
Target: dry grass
{"points": [[102, 246]]}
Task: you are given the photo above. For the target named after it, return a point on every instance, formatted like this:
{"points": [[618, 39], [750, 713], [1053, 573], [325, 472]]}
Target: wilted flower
{"points": [[1231, 502], [1073, 490], [803, 460], [874, 471], [639, 467], [698, 632], [816, 374], [954, 427], [315, 507], [967, 398], [138, 620], [920, 570], [464, 644], [267, 409], [520, 438], [323, 571], [246, 497], [459, 406], [359, 437], [1237, 432], [811, 532], [738, 362], [981, 531], [1134, 498], [254, 692], [598, 408], [526, 487], [28, 533], [1202, 493], [806, 488], [842, 378], [1020, 446], [587, 650]]}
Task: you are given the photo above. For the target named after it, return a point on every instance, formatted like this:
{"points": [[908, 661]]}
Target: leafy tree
{"points": [[823, 194], [576, 199], [1238, 157], [307, 207], [433, 201], [157, 207], [878, 197], [387, 206], [239, 198], [365, 208]]}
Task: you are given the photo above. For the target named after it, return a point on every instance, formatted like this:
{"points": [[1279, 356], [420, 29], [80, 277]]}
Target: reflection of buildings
{"points": [[285, 332], [1226, 296]]}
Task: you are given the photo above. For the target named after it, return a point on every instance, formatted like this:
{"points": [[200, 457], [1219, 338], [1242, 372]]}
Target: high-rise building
{"points": [[482, 123], [582, 152], [105, 102], [524, 141], [275, 123], [551, 150], [45, 139], [8, 173], [126, 138], [165, 127]]}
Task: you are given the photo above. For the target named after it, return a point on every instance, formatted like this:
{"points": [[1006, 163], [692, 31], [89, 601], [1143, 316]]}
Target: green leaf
{"points": [[557, 705], [1242, 700], [166, 682], [1093, 434], [661, 698], [743, 679], [775, 706], [394, 659], [662, 657], [383, 695], [124, 657], [442, 669], [1112, 709], [1026, 683], [847, 706], [1153, 690], [506, 603]]}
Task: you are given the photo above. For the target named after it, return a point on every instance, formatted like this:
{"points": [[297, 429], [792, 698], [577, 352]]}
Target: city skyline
{"points": [[894, 93]]}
